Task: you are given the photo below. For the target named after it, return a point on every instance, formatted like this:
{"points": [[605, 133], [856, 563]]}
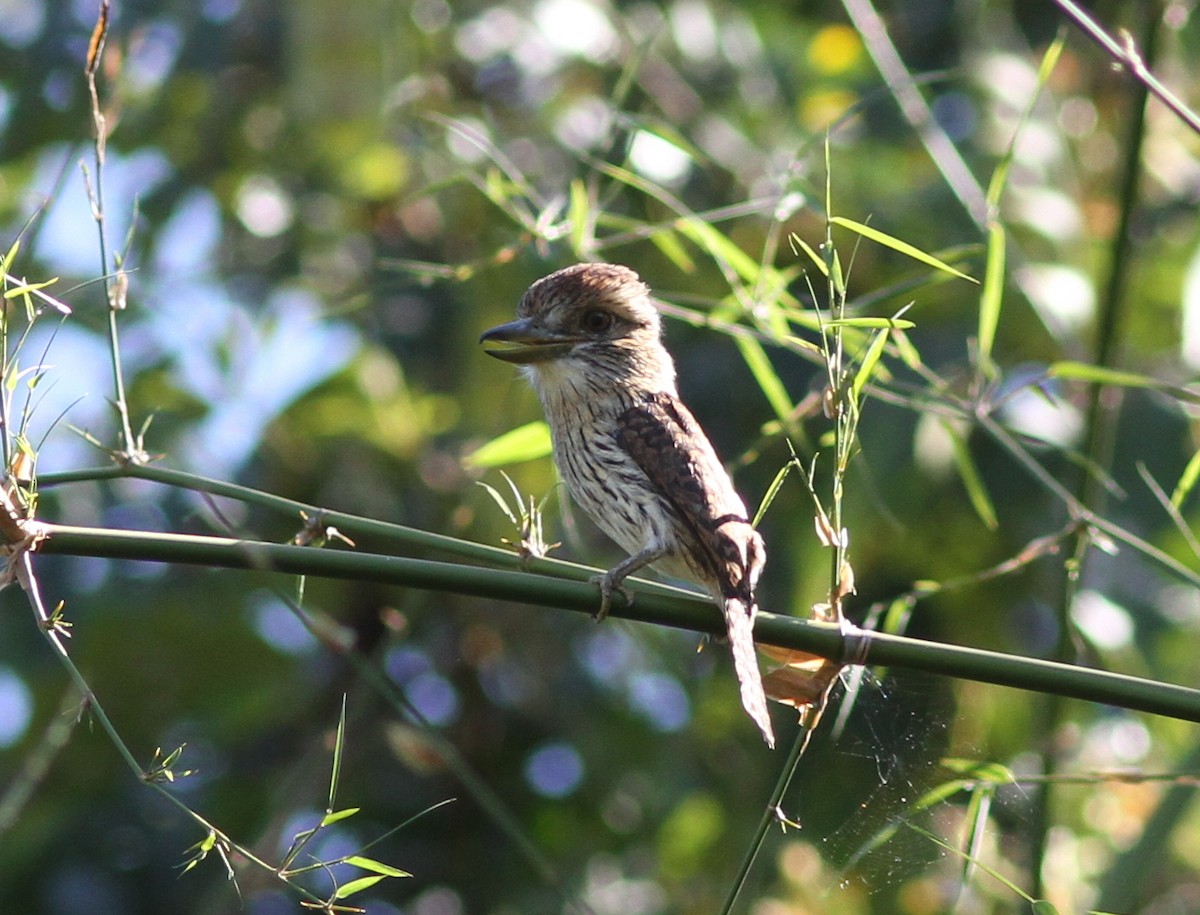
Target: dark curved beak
{"points": [[524, 341]]}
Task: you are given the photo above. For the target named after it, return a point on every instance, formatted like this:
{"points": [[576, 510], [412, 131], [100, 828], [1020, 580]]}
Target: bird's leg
{"points": [[611, 580]]}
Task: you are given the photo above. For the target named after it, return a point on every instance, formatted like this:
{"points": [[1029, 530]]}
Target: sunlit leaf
{"points": [[376, 867], [992, 295], [524, 443], [871, 323], [1187, 481], [818, 261], [1099, 374], [667, 241], [26, 288], [579, 218], [764, 373], [336, 816], [772, 492], [357, 886], [902, 247], [972, 480], [869, 361], [336, 773]]}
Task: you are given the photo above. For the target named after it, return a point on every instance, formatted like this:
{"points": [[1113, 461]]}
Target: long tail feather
{"points": [[739, 619]]}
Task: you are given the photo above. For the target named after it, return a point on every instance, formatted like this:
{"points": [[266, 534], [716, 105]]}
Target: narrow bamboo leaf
{"points": [[1000, 174], [798, 242], [971, 479], [336, 774], [1098, 374], [525, 443], [909, 354], [357, 886], [991, 872], [992, 294], [26, 288], [667, 241], [764, 373], [720, 246], [896, 323], [869, 361], [1043, 907], [992, 772], [579, 217], [772, 492], [499, 500], [336, 816], [899, 246], [11, 255], [939, 793], [376, 867], [1187, 481], [977, 814]]}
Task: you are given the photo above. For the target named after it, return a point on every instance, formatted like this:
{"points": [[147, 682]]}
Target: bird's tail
{"points": [[739, 619]]}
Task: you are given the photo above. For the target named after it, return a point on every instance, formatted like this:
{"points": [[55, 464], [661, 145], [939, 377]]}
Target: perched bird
{"points": [[631, 453]]}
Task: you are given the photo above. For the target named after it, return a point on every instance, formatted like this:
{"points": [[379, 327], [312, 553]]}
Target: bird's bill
{"points": [[524, 341]]}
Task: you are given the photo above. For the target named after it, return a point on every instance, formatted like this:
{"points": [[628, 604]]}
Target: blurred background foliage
{"points": [[321, 206]]}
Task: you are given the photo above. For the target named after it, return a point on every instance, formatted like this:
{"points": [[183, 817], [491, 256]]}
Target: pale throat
{"points": [[563, 384]]}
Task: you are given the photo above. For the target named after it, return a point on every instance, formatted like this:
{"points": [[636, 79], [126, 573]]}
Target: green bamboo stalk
{"points": [[1100, 425], [409, 538], [678, 610]]}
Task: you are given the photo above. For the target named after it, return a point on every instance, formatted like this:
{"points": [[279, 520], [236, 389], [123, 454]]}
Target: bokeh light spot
{"points": [[834, 49], [554, 770], [16, 707]]}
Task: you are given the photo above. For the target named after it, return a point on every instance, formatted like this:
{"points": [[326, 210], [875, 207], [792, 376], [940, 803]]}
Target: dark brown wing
{"points": [[665, 441], [719, 545]]}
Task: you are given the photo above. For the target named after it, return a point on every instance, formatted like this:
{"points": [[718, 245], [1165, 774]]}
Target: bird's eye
{"points": [[597, 320]]}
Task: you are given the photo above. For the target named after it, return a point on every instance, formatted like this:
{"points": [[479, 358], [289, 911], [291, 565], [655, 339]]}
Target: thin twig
{"points": [[1125, 53]]}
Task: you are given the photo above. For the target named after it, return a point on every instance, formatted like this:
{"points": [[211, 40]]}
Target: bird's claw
{"points": [[608, 584]]}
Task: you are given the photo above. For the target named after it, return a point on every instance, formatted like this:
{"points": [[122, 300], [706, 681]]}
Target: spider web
{"points": [[858, 791]]}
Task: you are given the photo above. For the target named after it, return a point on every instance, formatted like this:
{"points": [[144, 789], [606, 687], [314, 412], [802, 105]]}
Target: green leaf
{"points": [[971, 478], [1000, 174], [992, 772], [525, 443], [336, 773], [992, 294], [336, 816], [940, 793], [869, 361], [1042, 907], [26, 288], [579, 217], [705, 236], [1187, 481], [667, 241], [356, 886], [376, 867], [909, 354], [899, 246], [890, 323], [798, 242], [1098, 374], [11, 255], [977, 814], [764, 373], [772, 492]]}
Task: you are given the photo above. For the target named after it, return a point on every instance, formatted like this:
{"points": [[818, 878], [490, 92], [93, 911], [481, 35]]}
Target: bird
{"points": [[589, 339]]}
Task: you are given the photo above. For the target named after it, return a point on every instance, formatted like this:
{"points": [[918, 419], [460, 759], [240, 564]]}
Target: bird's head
{"points": [[590, 323]]}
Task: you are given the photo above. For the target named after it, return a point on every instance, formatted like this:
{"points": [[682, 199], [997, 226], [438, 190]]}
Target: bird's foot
{"points": [[609, 583]]}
